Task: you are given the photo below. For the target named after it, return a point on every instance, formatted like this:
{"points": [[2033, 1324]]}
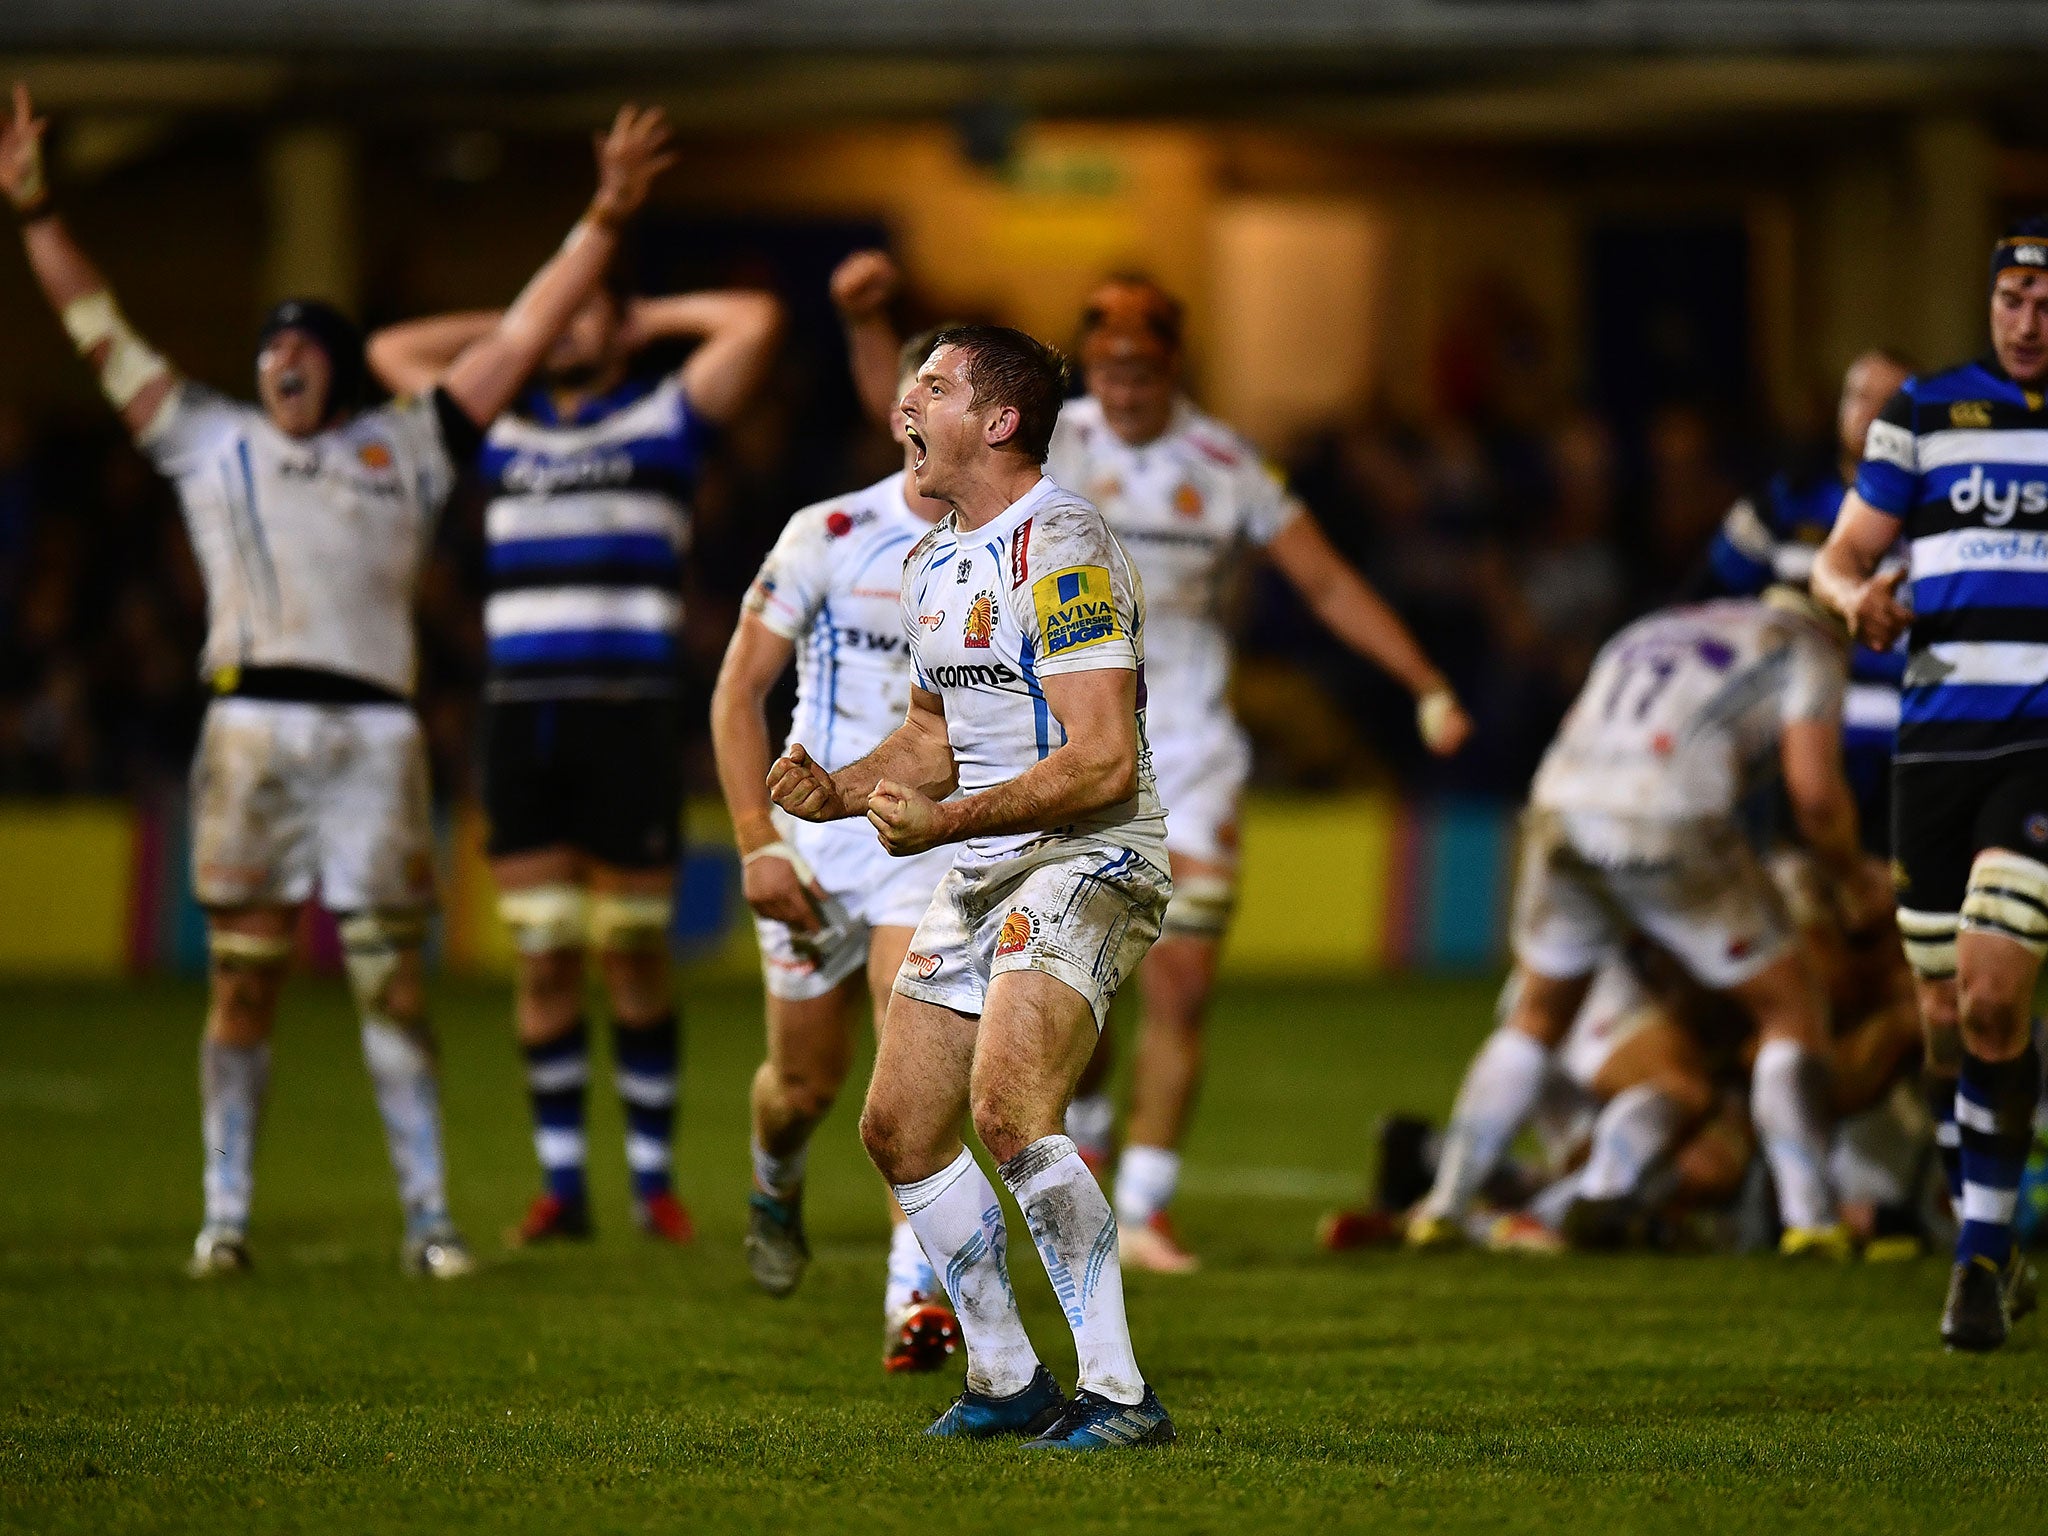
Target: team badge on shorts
{"points": [[980, 626], [1019, 929], [925, 966], [1076, 609]]}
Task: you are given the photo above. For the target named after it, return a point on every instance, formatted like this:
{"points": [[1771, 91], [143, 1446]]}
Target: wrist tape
{"points": [[130, 365]]}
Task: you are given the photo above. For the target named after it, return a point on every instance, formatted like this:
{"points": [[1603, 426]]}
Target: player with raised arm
{"points": [[830, 904], [1631, 825], [587, 528], [1957, 465], [1025, 621], [311, 518]]}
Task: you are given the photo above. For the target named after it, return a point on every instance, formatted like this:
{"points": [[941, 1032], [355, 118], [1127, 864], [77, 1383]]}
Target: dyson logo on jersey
{"points": [[2000, 505], [539, 475]]}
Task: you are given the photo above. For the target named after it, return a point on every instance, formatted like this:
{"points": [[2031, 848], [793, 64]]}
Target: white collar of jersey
{"points": [[1178, 420], [1004, 521]]}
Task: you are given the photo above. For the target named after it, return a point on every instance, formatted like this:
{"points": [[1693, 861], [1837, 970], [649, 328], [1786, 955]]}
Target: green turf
{"points": [[621, 1387]]}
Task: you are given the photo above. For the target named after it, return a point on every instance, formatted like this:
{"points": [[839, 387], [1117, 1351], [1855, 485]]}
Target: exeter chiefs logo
{"points": [[980, 627], [1019, 929]]}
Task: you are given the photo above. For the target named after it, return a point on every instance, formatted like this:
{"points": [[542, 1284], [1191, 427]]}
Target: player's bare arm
{"points": [[1824, 810], [489, 373], [135, 380], [862, 286], [1346, 605], [410, 357], [754, 660], [1096, 766], [1845, 575], [736, 331], [915, 753]]}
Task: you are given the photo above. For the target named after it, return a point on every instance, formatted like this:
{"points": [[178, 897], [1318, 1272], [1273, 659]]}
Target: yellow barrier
{"points": [[64, 888]]}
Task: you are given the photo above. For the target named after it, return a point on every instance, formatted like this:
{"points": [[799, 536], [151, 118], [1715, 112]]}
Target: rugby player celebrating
{"points": [[1957, 465], [587, 529], [830, 904], [311, 519], [1188, 495], [1025, 621]]}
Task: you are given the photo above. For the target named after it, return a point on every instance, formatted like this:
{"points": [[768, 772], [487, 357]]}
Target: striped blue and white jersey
{"points": [[586, 532], [1961, 459], [1041, 590], [311, 548], [833, 583]]}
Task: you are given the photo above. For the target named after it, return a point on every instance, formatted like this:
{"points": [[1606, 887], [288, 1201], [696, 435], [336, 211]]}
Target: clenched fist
{"points": [[804, 789]]}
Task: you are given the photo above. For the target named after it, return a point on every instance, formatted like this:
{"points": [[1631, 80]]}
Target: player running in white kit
{"points": [[1188, 497], [831, 905], [312, 521], [1631, 824]]}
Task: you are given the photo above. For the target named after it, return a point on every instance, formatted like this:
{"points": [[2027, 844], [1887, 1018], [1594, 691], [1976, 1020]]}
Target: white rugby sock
{"points": [[1555, 1198], [959, 1222], [1091, 1123], [1634, 1129], [1498, 1095], [1787, 1101], [1075, 1231], [401, 1063], [233, 1080], [779, 1176], [910, 1272], [1146, 1178]]}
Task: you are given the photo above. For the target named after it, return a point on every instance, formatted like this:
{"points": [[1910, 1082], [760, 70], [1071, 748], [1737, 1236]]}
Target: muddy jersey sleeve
{"points": [[1087, 608], [1269, 506], [1817, 679], [791, 585], [197, 426]]}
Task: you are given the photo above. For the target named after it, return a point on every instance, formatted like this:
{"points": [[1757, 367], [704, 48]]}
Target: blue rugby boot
{"points": [[1093, 1422], [975, 1416]]}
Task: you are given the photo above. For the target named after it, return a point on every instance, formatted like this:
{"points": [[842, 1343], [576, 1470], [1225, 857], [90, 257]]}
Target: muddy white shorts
{"points": [[870, 886], [1201, 776], [1078, 909], [1695, 887], [288, 796]]}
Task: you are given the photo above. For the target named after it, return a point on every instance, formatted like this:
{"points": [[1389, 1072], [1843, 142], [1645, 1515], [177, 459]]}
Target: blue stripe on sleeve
{"points": [[1886, 487]]}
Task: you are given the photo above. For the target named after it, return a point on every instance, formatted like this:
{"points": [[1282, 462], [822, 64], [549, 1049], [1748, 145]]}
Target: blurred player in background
{"points": [[587, 529], [1957, 464], [1025, 621], [831, 906], [311, 517], [1187, 495], [1631, 825]]}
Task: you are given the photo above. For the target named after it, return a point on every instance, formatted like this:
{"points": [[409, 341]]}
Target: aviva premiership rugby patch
{"points": [[1076, 609]]}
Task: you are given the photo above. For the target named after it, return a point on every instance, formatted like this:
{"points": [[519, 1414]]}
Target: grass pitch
{"points": [[622, 1387]]}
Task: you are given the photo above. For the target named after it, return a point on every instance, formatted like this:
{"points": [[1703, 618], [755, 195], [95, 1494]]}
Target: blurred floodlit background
{"points": [[1520, 295]]}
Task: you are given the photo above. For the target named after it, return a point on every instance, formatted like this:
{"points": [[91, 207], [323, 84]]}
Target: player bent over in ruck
{"points": [[1957, 465], [1025, 622], [311, 519]]}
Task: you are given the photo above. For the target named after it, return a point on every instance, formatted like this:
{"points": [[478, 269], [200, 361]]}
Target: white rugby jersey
{"points": [[1041, 590], [311, 548], [1682, 711], [1184, 504], [834, 585]]}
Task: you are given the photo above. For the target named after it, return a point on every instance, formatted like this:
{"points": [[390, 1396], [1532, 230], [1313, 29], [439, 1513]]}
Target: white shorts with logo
{"points": [[1078, 909], [1695, 887], [876, 890], [1201, 775], [287, 797]]}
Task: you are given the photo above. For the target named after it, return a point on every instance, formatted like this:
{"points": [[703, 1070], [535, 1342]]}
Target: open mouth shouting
{"points": [[291, 384], [920, 451]]}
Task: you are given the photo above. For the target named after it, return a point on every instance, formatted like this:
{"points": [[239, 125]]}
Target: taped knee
{"points": [[2008, 895], [546, 918], [1200, 907], [250, 949], [1929, 939], [624, 923], [372, 944]]}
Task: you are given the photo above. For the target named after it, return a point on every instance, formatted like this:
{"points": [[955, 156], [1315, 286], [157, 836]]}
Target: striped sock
{"points": [[647, 1070], [1941, 1104], [557, 1072], [1995, 1113]]}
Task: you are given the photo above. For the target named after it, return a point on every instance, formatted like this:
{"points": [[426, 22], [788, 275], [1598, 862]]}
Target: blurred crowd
{"points": [[1513, 532]]}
